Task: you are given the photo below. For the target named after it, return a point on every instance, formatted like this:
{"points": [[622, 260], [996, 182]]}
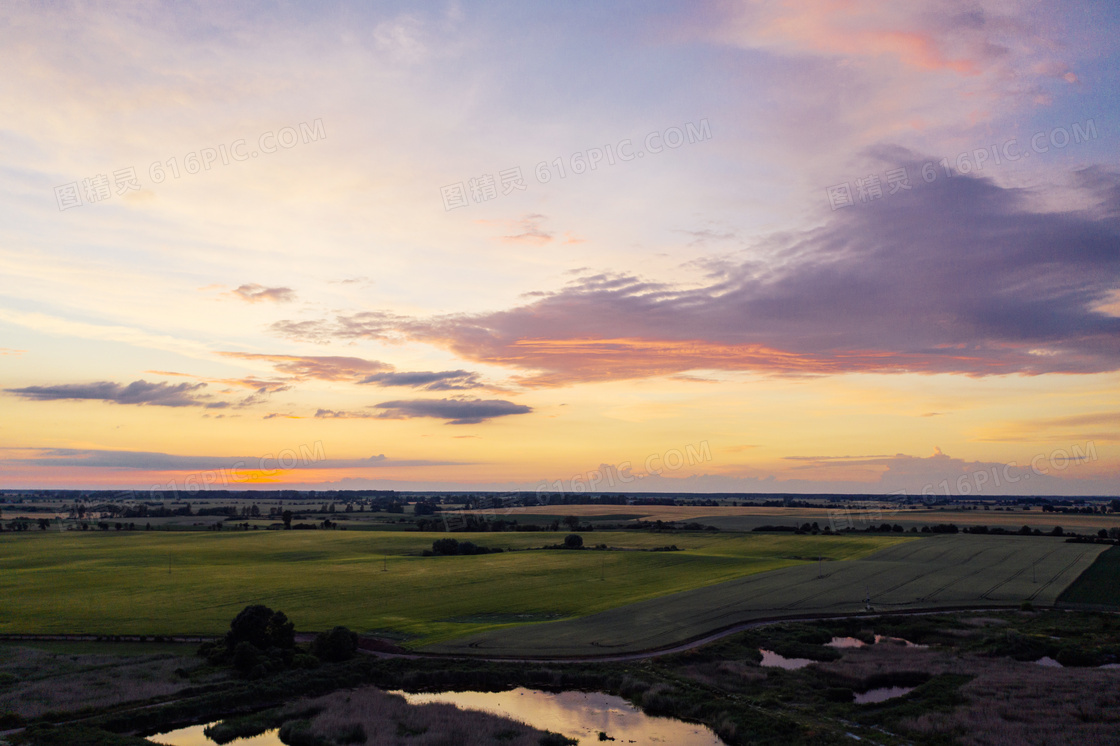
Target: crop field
{"points": [[1100, 584], [937, 572], [744, 518], [160, 583]]}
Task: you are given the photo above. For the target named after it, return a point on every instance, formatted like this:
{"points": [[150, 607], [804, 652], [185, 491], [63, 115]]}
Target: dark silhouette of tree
{"points": [[339, 644], [261, 627], [286, 517], [573, 541]]}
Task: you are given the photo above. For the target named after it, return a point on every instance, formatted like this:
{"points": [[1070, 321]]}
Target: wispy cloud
{"points": [[156, 461], [254, 293], [323, 368], [455, 411], [137, 392], [448, 380], [362, 371]]}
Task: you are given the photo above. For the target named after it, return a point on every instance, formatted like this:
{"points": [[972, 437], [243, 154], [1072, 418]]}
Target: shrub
{"points": [[445, 547], [262, 627], [339, 644], [573, 541], [353, 733], [303, 660], [555, 739], [246, 656]]}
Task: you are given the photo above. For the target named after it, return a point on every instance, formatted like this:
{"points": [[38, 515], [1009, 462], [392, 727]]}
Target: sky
{"points": [[775, 246]]}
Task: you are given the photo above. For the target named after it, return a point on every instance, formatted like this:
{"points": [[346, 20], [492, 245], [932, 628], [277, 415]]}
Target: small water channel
{"points": [[579, 715]]}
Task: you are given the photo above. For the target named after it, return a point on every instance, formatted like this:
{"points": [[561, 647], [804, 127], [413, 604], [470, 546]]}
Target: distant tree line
{"points": [[453, 547]]}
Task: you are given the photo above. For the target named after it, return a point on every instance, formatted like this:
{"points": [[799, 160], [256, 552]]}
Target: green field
{"points": [[937, 572], [195, 582], [1100, 584]]}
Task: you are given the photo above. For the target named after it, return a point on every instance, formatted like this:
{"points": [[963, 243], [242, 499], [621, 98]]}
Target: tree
{"points": [[445, 546], [261, 627], [573, 541], [339, 644], [572, 522], [286, 516]]}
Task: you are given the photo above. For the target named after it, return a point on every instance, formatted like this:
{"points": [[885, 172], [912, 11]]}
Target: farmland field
{"points": [[938, 572], [195, 582], [747, 518], [1100, 584]]}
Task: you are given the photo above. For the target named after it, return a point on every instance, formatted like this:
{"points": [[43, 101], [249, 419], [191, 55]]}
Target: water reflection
{"points": [[882, 694], [194, 736], [770, 659], [580, 715], [845, 642], [898, 641]]}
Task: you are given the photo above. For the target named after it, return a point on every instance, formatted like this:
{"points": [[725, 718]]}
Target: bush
{"points": [[246, 656], [573, 541], [555, 739], [261, 626], [302, 660], [298, 733], [339, 644], [353, 733], [445, 547]]}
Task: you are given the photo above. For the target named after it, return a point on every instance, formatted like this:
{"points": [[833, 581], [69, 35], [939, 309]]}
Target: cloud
{"points": [[323, 368], [155, 394], [958, 276], [359, 370], [304, 456], [374, 324], [529, 230], [10, 351], [254, 293], [334, 414], [137, 392], [456, 411], [249, 382], [963, 38], [448, 380]]}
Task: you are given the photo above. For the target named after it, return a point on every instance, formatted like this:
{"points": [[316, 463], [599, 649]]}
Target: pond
{"points": [[193, 736], [882, 694], [855, 642], [579, 715], [770, 659]]}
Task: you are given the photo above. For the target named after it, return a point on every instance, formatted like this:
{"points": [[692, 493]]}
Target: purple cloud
{"points": [[137, 392], [959, 276]]}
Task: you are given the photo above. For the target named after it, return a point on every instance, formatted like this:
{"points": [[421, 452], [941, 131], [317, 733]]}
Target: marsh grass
{"points": [[41, 681]]}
